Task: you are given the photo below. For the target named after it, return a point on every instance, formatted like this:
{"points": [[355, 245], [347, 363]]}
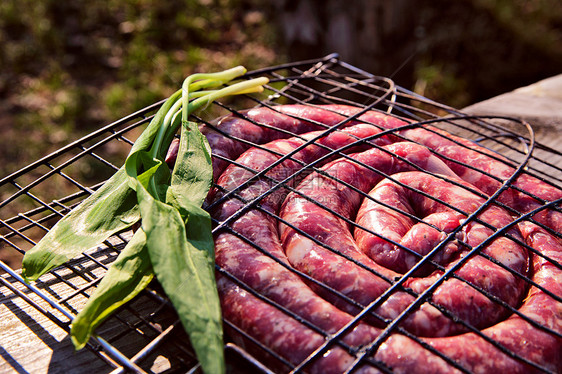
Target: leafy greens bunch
{"points": [[174, 242]]}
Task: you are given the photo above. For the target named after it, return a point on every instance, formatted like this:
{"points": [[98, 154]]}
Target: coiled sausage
{"points": [[250, 246]]}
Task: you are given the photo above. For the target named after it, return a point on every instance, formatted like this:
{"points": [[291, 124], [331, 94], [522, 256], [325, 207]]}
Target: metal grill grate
{"points": [[36, 196]]}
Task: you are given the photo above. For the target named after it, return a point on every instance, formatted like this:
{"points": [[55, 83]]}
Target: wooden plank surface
{"points": [[540, 104], [32, 343]]}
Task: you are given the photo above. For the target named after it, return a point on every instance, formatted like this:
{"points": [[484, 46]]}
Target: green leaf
{"points": [[151, 173], [175, 242], [129, 274], [193, 171], [198, 229], [191, 180], [186, 273], [112, 208]]}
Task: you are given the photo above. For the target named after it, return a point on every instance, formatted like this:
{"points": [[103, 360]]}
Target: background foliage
{"points": [[70, 67]]}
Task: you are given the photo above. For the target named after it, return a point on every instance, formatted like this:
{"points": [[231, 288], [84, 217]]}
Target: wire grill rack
{"points": [[35, 197]]}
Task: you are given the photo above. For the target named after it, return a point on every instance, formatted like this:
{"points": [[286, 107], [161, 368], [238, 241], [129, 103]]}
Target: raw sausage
{"points": [[412, 213], [285, 335], [323, 258], [262, 125], [320, 245], [258, 270]]}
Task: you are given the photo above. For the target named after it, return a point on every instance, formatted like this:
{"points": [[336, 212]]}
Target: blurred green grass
{"points": [[70, 67]]}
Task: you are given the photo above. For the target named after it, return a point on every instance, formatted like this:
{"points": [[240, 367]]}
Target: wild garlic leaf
{"points": [[186, 274], [110, 209], [129, 274], [153, 174], [193, 171]]}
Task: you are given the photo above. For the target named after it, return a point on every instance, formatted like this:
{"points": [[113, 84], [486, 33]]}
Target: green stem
{"points": [[191, 85], [249, 86], [202, 99], [222, 77], [160, 134]]}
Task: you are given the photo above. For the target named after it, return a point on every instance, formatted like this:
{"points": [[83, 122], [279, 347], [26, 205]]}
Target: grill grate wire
{"points": [[28, 212]]}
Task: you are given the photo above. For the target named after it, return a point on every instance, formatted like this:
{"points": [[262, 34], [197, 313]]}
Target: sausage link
{"points": [[390, 212], [231, 135], [316, 239], [284, 335], [258, 270], [306, 220], [488, 171], [517, 334]]}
